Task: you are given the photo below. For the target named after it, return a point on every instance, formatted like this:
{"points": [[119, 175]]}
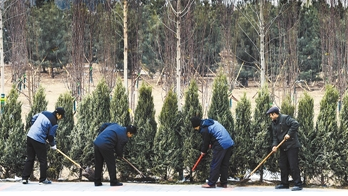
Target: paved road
{"points": [[88, 188]]}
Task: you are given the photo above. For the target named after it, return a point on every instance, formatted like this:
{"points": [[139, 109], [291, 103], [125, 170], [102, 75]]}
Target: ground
{"points": [[55, 86]]}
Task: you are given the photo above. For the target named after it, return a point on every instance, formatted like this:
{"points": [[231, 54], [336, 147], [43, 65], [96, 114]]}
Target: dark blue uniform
{"points": [[111, 140]]}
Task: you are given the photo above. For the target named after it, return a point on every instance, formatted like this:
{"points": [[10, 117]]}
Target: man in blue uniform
{"points": [[111, 139], [44, 127], [216, 136]]}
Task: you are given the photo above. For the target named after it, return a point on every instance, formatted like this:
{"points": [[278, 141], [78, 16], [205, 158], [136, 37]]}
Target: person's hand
{"points": [[274, 149], [202, 153], [287, 136], [54, 147]]}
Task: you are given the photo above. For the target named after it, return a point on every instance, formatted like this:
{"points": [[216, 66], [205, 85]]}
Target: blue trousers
{"points": [[219, 165]]}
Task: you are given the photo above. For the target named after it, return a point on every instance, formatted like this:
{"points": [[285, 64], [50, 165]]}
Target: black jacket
{"points": [[283, 125]]}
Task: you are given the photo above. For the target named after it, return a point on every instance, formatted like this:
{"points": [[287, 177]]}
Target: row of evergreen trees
{"points": [[169, 148]]}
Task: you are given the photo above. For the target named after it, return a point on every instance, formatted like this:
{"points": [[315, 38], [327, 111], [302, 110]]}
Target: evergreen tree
{"points": [[65, 125], [167, 143], [12, 135], [287, 108], [306, 134], [342, 170], [39, 104], [78, 135], [244, 136], [326, 135], [220, 110], [140, 147], [191, 138], [100, 114], [262, 133], [119, 107]]}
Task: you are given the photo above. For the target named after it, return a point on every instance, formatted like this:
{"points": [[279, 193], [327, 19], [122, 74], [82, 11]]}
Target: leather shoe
{"points": [[296, 188], [98, 184], [281, 186], [116, 184], [221, 185], [208, 186]]}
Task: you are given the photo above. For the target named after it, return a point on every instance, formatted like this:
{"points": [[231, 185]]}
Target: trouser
{"points": [[35, 148], [219, 165], [288, 163], [107, 155]]}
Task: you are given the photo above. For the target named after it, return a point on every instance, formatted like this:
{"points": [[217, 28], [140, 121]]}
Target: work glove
{"points": [[54, 147]]}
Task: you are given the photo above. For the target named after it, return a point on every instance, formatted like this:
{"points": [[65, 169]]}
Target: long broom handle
{"points": [[199, 159], [133, 167], [78, 165], [267, 157]]}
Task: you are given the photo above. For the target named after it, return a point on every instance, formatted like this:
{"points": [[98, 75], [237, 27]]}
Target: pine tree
{"points": [[262, 134], [65, 125], [244, 137], [220, 110], [326, 134], [39, 104], [167, 143], [306, 134], [13, 137], [343, 153], [140, 147], [119, 107], [192, 139]]}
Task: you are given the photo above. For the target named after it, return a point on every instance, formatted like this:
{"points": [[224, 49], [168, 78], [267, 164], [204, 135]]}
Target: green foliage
{"points": [[244, 137], [326, 138], [39, 104], [49, 36], [65, 127], [287, 107], [168, 142], [192, 139], [306, 134], [79, 133], [119, 107], [140, 147], [12, 135], [220, 108], [263, 136], [341, 170]]}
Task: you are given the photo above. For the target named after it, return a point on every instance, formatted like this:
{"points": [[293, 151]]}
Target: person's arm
{"points": [[293, 124], [51, 135], [206, 140]]}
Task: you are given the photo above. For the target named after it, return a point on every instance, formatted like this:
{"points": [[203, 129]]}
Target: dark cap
{"points": [[196, 121], [60, 111], [131, 129], [273, 109]]}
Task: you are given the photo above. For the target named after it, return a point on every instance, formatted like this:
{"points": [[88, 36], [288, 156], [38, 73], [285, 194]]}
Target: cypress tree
{"points": [[167, 143], [100, 114], [39, 104], [262, 133], [191, 138], [78, 135], [306, 134], [343, 152], [326, 137], [119, 107], [140, 147], [65, 125], [287, 107], [12, 135], [244, 137], [219, 110]]}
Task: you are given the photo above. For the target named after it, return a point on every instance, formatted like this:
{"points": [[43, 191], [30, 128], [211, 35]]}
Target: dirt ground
{"points": [[56, 86]]}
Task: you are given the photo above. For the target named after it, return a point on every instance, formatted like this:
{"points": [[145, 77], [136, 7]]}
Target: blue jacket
{"points": [[215, 134], [44, 127], [113, 137]]}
